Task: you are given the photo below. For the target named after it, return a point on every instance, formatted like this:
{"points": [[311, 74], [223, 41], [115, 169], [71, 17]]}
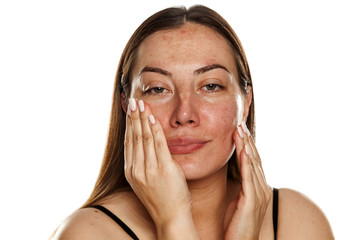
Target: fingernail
{"points": [[247, 149], [152, 119], [240, 132], [132, 104], [141, 106], [245, 128]]}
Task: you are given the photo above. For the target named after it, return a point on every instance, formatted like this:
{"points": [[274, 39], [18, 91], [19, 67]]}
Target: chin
{"points": [[196, 170], [190, 167], [204, 163]]}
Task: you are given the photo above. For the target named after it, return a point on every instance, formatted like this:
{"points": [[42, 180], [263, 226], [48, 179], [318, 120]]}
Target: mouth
{"points": [[185, 145]]}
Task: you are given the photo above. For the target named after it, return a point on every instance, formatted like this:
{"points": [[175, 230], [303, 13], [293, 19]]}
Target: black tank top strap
{"points": [[275, 210], [133, 236], [117, 220]]}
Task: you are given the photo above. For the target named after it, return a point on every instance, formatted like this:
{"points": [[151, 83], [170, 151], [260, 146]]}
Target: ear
{"points": [[247, 104], [123, 104]]}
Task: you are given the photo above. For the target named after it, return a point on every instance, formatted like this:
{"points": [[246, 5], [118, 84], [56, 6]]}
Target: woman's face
{"points": [[188, 76]]}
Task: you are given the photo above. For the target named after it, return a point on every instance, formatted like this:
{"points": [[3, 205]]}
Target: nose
{"points": [[185, 112]]}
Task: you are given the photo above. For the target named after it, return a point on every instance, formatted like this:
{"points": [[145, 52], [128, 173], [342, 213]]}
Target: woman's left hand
{"points": [[254, 196]]}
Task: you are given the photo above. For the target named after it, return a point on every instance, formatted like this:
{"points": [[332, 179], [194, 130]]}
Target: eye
{"points": [[212, 87], [156, 90]]}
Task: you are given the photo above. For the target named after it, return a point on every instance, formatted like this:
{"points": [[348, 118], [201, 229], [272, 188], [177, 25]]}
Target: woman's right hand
{"points": [[157, 180]]}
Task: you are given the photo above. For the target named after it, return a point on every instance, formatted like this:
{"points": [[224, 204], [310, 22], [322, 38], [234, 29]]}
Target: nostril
{"points": [[179, 123]]}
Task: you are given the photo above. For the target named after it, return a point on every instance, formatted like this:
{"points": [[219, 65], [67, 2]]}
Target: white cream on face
{"points": [[240, 103], [143, 82]]}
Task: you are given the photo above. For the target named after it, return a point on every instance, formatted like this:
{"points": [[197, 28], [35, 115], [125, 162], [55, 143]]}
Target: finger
{"points": [[254, 172], [137, 135], [261, 179], [249, 152], [148, 140], [247, 181], [239, 143], [128, 147], [250, 141], [161, 148], [256, 160], [263, 190], [254, 150], [259, 176], [244, 161]]}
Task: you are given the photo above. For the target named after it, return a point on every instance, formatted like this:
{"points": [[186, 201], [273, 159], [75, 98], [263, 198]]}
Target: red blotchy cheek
{"points": [[221, 115], [228, 115]]}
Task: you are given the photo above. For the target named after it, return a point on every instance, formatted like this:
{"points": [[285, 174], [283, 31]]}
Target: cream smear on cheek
{"points": [[239, 99]]}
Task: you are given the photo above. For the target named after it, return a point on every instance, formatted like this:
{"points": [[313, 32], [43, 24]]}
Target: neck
{"points": [[210, 198]]}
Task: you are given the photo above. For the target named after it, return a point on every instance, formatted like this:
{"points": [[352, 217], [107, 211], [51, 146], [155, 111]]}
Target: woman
{"points": [[185, 166]]}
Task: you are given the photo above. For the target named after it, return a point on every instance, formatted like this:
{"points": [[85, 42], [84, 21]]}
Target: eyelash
{"points": [[154, 89], [162, 90], [217, 87]]}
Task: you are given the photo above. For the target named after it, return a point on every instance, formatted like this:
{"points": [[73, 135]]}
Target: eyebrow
{"points": [[209, 68], [196, 72], [155, 70]]}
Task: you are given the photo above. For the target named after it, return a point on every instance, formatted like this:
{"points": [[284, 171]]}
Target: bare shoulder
{"points": [[82, 224], [300, 218], [91, 223]]}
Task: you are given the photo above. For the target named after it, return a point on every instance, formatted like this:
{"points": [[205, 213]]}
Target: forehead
{"points": [[190, 45]]}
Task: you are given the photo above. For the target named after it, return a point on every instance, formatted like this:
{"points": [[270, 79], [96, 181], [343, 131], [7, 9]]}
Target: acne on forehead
{"points": [[186, 36], [187, 31], [190, 44]]}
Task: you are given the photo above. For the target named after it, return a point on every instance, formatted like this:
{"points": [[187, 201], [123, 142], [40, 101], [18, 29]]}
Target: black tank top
{"points": [[133, 236]]}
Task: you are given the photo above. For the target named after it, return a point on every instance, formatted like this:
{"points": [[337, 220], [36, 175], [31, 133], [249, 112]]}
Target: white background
{"points": [[58, 61]]}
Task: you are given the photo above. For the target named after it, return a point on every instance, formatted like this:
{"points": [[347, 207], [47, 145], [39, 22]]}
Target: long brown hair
{"points": [[111, 177]]}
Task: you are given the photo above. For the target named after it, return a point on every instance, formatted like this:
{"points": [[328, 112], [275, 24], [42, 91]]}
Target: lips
{"points": [[185, 145]]}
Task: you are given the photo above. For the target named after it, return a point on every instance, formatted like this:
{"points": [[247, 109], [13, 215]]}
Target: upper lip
{"points": [[183, 141]]}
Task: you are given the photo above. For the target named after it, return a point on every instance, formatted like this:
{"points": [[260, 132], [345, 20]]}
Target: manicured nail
{"points": [[240, 132], [152, 119], [132, 104], [243, 124], [247, 149], [141, 106]]}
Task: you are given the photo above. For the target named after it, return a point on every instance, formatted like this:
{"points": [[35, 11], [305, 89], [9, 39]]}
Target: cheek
{"points": [[221, 124], [161, 113], [220, 121], [224, 115]]}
